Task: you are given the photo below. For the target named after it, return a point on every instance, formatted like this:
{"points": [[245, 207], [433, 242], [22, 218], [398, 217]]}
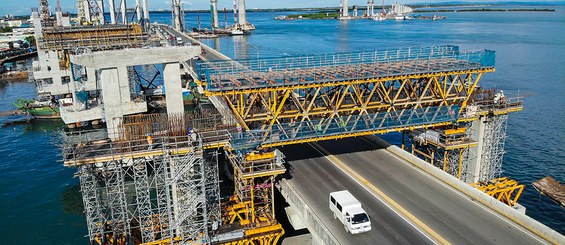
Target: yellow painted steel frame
{"points": [[167, 241], [253, 206], [266, 108], [260, 236], [503, 189], [429, 152]]}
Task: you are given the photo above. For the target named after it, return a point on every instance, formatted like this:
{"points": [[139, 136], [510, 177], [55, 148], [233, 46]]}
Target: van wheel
{"points": [[346, 230]]}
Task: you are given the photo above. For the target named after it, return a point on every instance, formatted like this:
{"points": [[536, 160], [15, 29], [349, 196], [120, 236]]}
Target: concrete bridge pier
{"points": [[118, 97], [113, 83]]}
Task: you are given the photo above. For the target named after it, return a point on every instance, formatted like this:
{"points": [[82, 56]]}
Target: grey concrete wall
{"points": [[123, 81]]}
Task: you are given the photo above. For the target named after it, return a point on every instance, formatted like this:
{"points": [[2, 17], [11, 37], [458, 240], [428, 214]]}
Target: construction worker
{"points": [[149, 141], [239, 131]]}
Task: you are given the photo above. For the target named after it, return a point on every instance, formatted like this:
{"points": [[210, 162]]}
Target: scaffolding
{"points": [[145, 198], [252, 209], [154, 185], [452, 149], [493, 147], [445, 148]]}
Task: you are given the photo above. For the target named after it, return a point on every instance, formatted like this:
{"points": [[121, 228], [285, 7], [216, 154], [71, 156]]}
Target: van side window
{"points": [[339, 207], [333, 200]]}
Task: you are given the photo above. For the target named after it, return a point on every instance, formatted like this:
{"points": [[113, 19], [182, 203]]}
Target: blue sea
{"points": [[40, 201]]}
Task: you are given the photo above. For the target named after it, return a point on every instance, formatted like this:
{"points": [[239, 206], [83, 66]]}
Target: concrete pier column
{"points": [[345, 10], [475, 153], [214, 12], [87, 13], [173, 88], [138, 10], [242, 15], [112, 12], [101, 16], [177, 21], [145, 12], [124, 7], [109, 83]]}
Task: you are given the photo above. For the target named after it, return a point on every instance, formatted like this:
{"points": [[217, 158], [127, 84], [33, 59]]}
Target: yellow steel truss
{"points": [[503, 189], [268, 108]]}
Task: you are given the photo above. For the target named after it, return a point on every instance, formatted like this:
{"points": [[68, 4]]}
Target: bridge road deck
{"points": [[454, 216]]}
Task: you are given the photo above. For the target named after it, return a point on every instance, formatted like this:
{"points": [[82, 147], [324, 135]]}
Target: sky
{"points": [[23, 7]]}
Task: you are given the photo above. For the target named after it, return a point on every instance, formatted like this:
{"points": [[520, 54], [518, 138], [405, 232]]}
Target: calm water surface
{"points": [[40, 202]]}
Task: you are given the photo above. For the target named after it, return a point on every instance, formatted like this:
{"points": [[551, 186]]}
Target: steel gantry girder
{"points": [[322, 104]]}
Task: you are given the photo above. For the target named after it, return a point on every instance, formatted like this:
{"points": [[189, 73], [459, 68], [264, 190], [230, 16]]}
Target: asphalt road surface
{"points": [[433, 211]]}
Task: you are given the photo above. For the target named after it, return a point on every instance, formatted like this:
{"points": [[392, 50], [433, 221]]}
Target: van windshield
{"points": [[360, 218]]}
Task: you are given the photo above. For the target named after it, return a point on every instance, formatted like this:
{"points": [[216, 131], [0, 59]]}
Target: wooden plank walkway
{"points": [[552, 188]]}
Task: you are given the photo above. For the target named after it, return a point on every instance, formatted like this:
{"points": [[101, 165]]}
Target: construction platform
{"points": [[242, 75], [94, 38], [552, 188]]}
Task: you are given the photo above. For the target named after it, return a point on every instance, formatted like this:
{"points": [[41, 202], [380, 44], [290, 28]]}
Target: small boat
{"points": [[248, 27], [399, 17], [236, 32], [44, 107], [379, 17]]}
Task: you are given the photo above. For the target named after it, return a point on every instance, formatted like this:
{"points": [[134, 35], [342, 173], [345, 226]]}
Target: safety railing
{"points": [[79, 149], [313, 61], [492, 105]]}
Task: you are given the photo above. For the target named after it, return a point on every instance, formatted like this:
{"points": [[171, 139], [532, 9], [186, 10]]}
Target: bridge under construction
{"points": [[155, 178]]}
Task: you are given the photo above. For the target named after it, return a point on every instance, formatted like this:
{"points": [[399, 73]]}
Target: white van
{"points": [[348, 210]]}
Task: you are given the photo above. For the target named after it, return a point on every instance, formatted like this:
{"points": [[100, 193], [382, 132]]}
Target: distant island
{"points": [[482, 10], [313, 16], [418, 8]]}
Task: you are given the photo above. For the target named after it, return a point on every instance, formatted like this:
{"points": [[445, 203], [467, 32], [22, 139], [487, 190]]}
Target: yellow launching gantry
{"points": [[431, 94], [309, 98]]}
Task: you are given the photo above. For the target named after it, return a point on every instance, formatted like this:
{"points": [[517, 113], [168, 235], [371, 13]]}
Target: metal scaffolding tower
{"points": [[493, 147], [139, 189]]}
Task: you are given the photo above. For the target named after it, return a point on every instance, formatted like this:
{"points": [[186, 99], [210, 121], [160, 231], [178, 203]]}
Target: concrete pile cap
{"points": [[136, 56]]}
